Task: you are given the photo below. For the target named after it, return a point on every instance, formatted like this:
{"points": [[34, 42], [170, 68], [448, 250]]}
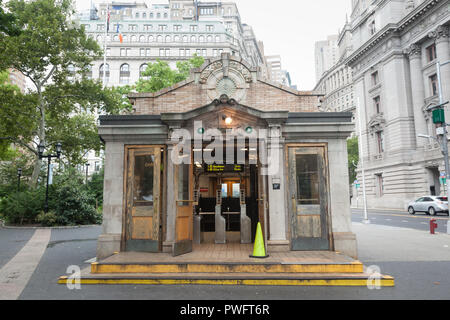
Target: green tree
{"points": [[353, 157], [55, 55], [7, 22], [160, 75]]}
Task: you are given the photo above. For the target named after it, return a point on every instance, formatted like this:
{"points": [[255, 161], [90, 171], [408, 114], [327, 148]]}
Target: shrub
{"points": [[70, 200], [22, 207], [48, 219]]}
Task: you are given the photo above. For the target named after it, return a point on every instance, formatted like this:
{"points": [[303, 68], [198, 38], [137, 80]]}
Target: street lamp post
{"points": [[49, 157], [19, 174]]}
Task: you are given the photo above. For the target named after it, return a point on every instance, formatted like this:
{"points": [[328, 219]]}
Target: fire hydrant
{"points": [[433, 225]]}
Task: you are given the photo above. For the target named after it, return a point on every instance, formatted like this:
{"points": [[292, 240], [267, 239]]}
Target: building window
{"points": [[201, 39], [142, 39], [142, 52], [144, 15], [193, 39], [168, 39], [124, 74], [431, 53], [207, 11], [380, 184], [375, 78], [159, 39], [372, 28], [377, 104], [434, 85], [147, 51], [193, 28], [209, 28], [88, 73], [106, 74], [132, 27], [150, 39], [133, 39], [148, 27], [380, 141], [177, 27], [108, 52], [142, 69], [162, 27]]}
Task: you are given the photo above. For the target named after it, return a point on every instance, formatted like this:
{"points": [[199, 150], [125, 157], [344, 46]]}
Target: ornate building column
{"points": [[418, 91]]}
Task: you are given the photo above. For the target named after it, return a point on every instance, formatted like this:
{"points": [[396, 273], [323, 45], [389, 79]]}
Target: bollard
{"points": [[433, 226]]}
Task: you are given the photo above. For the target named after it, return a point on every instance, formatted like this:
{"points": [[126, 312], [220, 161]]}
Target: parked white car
{"points": [[431, 205]]}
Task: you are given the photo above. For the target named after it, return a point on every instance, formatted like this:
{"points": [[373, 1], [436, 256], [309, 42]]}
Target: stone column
{"points": [[109, 240], [418, 92], [276, 189]]}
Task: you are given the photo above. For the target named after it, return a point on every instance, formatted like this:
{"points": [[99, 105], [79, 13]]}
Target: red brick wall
{"points": [[188, 96]]}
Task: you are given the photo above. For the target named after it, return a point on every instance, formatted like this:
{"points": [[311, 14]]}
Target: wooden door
{"points": [[143, 200], [184, 224], [309, 198]]}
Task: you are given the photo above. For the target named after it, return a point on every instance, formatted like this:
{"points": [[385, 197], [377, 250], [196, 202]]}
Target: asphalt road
{"points": [[419, 221], [418, 275]]}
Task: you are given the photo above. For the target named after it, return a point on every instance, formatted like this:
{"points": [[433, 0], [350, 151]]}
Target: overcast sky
{"points": [[288, 28]]}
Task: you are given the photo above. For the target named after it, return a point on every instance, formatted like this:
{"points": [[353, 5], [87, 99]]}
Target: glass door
{"points": [[309, 198], [143, 199]]}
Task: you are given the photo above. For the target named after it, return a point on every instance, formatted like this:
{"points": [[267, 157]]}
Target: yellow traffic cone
{"points": [[259, 250]]}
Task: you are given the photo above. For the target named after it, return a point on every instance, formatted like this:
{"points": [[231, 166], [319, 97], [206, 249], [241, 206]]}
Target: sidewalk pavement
{"points": [[380, 209], [386, 243]]}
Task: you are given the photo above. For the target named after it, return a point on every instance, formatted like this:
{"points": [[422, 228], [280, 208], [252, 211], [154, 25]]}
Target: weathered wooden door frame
{"points": [[184, 245], [292, 210], [161, 205]]}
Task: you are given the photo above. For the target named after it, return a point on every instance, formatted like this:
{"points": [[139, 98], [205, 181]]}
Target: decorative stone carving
{"points": [[376, 123], [409, 5], [442, 32], [413, 51], [209, 70], [242, 70], [226, 77]]}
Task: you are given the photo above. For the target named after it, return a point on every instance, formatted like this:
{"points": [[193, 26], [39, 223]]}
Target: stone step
{"points": [[225, 267], [251, 279]]}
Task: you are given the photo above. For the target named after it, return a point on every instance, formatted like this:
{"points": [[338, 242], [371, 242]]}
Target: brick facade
{"points": [[192, 94]]}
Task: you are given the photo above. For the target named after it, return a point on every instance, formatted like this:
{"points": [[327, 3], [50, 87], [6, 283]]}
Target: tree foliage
{"points": [[55, 55], [160, 75], [353, 157], [7, 22]]}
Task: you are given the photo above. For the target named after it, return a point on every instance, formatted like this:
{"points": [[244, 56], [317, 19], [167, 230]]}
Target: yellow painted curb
{"points": [[354, 267], [385, 282]]}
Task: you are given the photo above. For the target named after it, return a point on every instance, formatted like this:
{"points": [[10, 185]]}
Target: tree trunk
{"points": [[41, 136]]}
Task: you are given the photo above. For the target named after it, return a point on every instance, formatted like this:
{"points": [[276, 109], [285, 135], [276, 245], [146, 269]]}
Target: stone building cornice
{"points": [[391, 29]]}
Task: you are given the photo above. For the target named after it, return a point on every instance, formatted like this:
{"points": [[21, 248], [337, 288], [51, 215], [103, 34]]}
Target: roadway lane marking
{"points": [[388, 219], [14, 276], [404, 221]]}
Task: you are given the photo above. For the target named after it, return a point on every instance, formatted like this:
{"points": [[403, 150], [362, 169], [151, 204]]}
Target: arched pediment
{"points": [[226, 76]]}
